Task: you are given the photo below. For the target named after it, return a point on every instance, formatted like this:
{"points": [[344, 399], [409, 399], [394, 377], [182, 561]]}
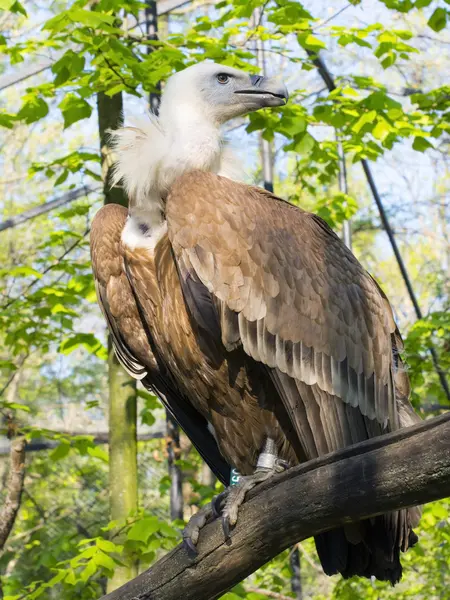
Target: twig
{"points": [[309, 560], [46, 207], [47, 269], [14, 489], [13, 375], [332, 17], [267, 593], [118, 74]]}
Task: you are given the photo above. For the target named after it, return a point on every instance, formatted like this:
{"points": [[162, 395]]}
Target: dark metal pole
{"points": [[265, 146], [343, 187], [329, 81], [151, 26], [296, 577]]}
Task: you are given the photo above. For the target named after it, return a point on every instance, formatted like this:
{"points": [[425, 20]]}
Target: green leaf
{"points": [[25, 272], [381, 130], [438, 19], [388, 61], [74, 109], [364, 119], [88, 340], [90, 17], [168, 531], [60, 451], [69, 65], [108, 546], [14, 6], [310, 42], [421, 144], [98, 452], [103, 560], [143, 529], [33, 109], [57, 23], [62, 178], [304, 144], [8, 365], [15, 406], [7, 120]]}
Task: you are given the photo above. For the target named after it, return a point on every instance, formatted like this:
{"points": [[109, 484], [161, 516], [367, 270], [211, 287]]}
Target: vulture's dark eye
{"points": [[223, 78]]}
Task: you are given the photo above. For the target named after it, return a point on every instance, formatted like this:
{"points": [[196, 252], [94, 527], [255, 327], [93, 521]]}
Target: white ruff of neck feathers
{"points": [[149, 157]]}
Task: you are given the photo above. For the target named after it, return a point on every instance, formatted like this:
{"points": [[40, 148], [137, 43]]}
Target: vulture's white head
{"points": [[218, 93], [187, 133]]}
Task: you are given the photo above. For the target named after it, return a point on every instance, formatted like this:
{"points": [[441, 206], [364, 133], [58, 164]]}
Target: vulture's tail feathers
{"points": [[376, 552]]}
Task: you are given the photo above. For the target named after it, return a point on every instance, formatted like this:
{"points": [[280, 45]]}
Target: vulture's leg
{"points": [[268, 465], [228, 502]]}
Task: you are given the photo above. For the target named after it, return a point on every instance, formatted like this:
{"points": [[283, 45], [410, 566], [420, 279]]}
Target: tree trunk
{"points": [[123, 487]]}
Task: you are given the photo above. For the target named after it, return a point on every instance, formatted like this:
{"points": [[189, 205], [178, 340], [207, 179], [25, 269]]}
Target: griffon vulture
{"points": [[257, 327]]}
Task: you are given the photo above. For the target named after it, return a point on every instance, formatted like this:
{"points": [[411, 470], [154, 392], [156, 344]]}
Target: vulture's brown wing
{"points": [[131, 338], [290, 291], [286, 288]]}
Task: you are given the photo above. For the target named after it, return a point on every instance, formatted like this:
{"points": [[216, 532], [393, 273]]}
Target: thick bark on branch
{"points": [[14, 489], [398, 470]]}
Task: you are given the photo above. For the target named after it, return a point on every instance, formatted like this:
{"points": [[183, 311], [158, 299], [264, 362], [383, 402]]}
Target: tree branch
{"points": [[36, 211], [398, 470], [99, 438], [14, 489]]}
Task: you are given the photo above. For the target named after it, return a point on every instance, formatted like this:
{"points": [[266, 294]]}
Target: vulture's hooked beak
{"points": [[266, 91]]}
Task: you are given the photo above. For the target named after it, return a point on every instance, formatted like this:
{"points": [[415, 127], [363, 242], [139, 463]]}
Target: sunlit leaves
{"points": [[151, 404], [87, 340], [367, 118], [73, 16], [33, 108], [7, 120], [310, 42], [14, 6], [143, 529], [68, 66], [438, 19], [433, 330], [74, 108], [335, 209], [421, 144], [75, 162]]}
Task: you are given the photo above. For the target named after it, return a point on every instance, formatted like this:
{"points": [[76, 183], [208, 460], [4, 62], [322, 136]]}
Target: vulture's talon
{"points": [[190, 547], [192, 530], [235, 496], [281, 465], [217, 504], [226, 526]]}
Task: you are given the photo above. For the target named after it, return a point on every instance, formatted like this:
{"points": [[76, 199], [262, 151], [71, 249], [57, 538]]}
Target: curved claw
{"points": [[215, 507], [281, 465], [216, 504], [190, 546], [226, 526]]}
